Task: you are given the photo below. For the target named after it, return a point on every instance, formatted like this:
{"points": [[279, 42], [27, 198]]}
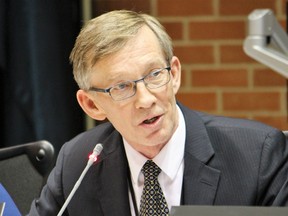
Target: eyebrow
{"points": [[148, 67]]}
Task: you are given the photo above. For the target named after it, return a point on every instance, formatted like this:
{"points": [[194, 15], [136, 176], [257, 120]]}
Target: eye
{"points": [[122, 86], [155, 74]]}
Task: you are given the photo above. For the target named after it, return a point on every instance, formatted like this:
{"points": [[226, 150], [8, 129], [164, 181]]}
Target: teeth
{"points": [[149, 121]]}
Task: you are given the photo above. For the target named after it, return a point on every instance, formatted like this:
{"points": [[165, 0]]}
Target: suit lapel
{"points": [[200, 182], [114, 190]]}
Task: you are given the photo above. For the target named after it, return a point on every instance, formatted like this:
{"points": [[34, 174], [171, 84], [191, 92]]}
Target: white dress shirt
{"points": [[170, 160]]}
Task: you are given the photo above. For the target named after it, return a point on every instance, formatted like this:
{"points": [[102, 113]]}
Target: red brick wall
{"points": [[217, 76]]}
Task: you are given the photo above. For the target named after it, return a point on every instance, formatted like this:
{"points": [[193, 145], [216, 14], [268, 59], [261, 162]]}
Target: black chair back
{"points": [[24, 169]]}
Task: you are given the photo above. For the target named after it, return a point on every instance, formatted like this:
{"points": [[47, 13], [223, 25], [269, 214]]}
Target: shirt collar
{"points": [[169, 158]]}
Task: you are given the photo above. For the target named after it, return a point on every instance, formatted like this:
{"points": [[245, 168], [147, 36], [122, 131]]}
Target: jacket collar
{"points": [[200, 181]]}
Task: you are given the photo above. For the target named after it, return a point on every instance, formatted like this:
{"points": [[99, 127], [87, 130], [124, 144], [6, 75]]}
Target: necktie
{"points": [[152, 200]]}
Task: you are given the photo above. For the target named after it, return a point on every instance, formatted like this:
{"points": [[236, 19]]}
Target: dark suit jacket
{"points": [[227, 162]]}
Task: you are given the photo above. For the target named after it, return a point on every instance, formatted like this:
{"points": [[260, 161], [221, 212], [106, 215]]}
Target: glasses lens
{"points": [[122, 91], [157, 78]]}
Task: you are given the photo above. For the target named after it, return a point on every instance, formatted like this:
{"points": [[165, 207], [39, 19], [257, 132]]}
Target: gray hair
{"points": [[107, 34]]}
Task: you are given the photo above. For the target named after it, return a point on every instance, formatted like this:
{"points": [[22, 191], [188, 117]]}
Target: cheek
{"points": [[117, 115], [121, 122], [171, 91]]}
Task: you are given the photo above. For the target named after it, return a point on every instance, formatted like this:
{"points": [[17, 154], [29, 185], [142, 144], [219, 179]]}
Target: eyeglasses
{"points": [[127, 89]]}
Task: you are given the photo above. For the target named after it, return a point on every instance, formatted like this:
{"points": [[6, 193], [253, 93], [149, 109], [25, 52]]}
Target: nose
{"points": [[144, 98]]}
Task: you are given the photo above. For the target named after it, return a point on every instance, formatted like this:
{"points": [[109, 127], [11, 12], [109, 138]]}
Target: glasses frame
{"points": [[108, 90]]}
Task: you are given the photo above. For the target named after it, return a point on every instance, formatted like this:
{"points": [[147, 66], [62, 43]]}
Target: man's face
{"points": [[149, 118]]}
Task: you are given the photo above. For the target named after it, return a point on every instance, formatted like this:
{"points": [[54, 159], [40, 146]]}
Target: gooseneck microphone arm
{"points": [[92, 159]]}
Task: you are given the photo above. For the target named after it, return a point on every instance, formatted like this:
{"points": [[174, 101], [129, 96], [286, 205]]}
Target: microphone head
{"points": [[98, 148]]}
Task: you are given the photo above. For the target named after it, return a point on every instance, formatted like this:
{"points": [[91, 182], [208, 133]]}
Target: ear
{"points": [[87, 103], [175, 73]]}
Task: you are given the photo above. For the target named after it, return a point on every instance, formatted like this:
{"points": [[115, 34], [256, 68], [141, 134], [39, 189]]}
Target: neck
{"points": [[150, 151]]}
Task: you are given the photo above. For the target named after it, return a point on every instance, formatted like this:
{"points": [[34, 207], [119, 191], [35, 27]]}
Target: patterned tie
{"points": [[152, 200]]}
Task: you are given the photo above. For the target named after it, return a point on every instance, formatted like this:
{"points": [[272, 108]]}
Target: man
{"points": [[125, 68]]}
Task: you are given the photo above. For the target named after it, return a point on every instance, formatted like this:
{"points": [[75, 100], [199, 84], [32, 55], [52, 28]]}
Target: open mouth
{"points": [[151, 121]]}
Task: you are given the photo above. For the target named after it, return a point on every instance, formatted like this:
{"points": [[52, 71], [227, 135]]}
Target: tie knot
{"points": [[150, 170]]}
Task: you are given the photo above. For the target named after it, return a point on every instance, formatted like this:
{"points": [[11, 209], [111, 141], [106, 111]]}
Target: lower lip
{"points": [[155, 123]]}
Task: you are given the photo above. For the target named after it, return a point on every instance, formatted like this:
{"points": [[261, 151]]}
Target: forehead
{"points": [[140, 52]]}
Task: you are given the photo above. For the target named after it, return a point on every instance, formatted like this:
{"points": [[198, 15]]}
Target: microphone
{"points": [[92, 159]]}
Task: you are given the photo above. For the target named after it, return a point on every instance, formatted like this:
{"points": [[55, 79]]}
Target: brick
{"points": [[244, 7], [212, 30], [175, 30], [280, 122], [194, 54], [220, 77], [198, 101], [251, 101], [184, 7], [267, 77], [102, 6], [234, 54]]}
